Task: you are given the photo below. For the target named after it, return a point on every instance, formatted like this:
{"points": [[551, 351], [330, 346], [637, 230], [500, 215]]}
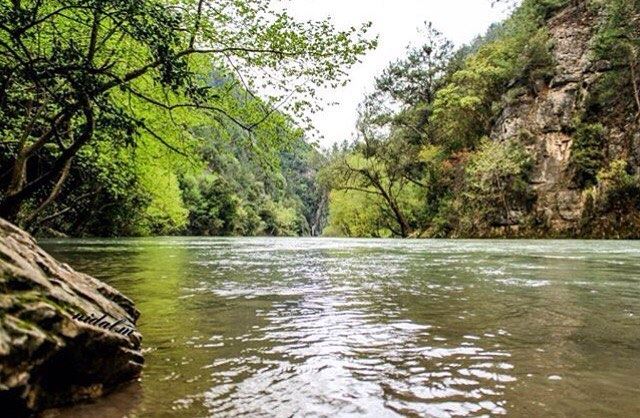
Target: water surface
{"points": [[382, 328]]}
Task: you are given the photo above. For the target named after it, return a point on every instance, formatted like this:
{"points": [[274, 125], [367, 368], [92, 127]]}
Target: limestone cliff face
{"points": [[49, 354], [544, 120]]}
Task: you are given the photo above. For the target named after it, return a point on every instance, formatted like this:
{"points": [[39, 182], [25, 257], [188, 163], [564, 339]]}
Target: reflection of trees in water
{"points": [[154, 273], [163, 274]]}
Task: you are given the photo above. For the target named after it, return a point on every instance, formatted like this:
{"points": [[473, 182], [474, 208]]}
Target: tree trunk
{"points": [[54, 192], [402, 222], [13, 201], [405, 229], [18, 171]]}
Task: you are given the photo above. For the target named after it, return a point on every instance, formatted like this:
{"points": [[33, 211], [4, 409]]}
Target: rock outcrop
{"points": [[64, 336], [548, 116]]}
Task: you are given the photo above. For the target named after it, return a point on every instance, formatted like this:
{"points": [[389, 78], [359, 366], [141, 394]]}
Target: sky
{"points": [[397, 23]]}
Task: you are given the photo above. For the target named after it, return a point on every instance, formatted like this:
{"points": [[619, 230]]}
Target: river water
{"points": [[382, 328]]}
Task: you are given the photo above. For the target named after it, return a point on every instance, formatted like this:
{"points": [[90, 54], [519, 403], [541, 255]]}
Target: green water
{"points": [[323, 327]]}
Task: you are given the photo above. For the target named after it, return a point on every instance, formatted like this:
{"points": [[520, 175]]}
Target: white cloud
{"points": [[397, 22]]}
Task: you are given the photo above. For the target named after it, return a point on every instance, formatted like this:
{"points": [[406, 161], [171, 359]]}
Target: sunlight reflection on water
{"points": [[325, 327]]}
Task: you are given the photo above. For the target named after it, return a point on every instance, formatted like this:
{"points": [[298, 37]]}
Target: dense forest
{"points": [[138, 117], [151, 117]]}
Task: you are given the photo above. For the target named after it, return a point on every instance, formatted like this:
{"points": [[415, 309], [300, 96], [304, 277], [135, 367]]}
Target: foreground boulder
{"points": [[64, 336]]}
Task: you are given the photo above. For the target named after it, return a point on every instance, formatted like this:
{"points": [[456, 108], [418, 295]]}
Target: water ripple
{"points": [[300, 327]]}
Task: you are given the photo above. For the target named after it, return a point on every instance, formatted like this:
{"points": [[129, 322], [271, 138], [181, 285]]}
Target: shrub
{"points": [[496, 179], [617, 185], [612, 206], [587, 154], [537, 61]]}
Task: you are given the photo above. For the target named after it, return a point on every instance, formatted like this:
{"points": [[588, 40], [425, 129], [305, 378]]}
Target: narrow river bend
{"points": [[381, 328]]}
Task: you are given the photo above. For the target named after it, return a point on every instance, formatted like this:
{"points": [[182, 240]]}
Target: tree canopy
{"points": [[81, 75]]}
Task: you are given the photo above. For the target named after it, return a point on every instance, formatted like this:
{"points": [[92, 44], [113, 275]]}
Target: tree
{"points": [[618, 41], [588, 154], [394, 127], [371, 167], [416, 78], [76, 71]]}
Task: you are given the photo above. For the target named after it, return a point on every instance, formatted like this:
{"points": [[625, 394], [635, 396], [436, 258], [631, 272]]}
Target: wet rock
{"points": [[48, 355]]}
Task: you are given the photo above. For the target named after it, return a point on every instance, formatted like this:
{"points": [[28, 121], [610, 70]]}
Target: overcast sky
{"points": [[397, 22]]}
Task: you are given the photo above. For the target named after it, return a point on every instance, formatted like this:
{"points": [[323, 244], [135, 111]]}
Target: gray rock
{"points": [[47, 357], [544, 123], [600, 66]]}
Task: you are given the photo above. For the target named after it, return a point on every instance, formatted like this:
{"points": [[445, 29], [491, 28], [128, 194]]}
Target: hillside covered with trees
{"points": [[153, 117], [532, 130], [137, 117]]}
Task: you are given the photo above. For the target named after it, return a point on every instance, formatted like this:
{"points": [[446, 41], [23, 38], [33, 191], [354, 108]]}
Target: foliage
{"points": [[112, 192], [391, 156], [300, 166], [143, 117], [537, 62], [212, 205], [518, 50], [125, 73], [166, 213], [238, 195], [613, 205], [416, 78], [426, 120], [462, 110], [544, 9], [587, 154], [618, 42], [370, 168], [497, 181], [355, 215]]}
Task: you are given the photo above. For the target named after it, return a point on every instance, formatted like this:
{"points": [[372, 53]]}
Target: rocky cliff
{"points": [[544, 119], [64, 336]]}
